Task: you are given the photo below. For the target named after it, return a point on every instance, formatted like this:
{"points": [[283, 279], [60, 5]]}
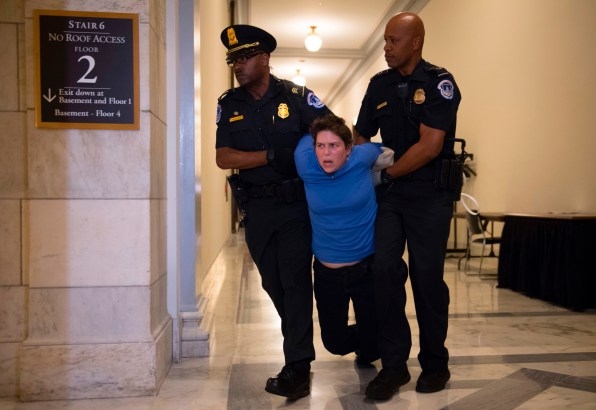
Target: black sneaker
{"points": [[386, 384], [292, 382], [432, 381]]}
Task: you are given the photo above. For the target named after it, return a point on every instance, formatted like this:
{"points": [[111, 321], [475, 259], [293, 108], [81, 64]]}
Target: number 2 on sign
{"points": [[84, 78]]}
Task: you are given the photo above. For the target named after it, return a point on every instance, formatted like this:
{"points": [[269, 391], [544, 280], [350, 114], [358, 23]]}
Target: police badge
{"points": [[419, 96], [283, 111]]}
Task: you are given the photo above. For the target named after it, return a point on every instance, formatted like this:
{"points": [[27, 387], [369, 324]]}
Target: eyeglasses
{"points": [[241, 59]]}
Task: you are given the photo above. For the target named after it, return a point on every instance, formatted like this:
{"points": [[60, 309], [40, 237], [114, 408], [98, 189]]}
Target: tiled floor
{"points": [[507, 352]]}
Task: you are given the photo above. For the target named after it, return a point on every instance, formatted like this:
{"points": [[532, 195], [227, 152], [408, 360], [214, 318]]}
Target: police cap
{"points": [[243, 39]]}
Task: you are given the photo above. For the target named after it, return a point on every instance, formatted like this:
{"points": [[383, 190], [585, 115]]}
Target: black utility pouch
{"points": [[238, 191], [449, 175], [450, 172]]}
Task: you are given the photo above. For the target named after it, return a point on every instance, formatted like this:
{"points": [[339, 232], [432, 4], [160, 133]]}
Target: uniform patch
{"points": [[218, 114], [314, 101], [446, 88], [283, 111]]}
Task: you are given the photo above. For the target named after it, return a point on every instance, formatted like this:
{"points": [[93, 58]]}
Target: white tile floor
{"points": [[507, 352]]}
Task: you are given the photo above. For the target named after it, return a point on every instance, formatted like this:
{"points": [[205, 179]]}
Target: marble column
{"points": [[13, 172], [93, 246]]}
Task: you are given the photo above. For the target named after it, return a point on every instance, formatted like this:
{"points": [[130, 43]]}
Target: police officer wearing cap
{"points": [[259, 124], [414, 105]]}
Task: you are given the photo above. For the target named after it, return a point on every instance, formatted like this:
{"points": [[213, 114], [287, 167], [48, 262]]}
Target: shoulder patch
{"points": [[218, 114], [446, 88], [314, 101]]}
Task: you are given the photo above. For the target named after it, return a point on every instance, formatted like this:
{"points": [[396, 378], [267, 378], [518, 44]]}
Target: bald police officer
{"points": [[414, 105], [259, 124]]}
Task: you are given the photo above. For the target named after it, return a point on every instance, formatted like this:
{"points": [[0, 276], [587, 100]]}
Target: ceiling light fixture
{"points": [[313, 42], [298, 79]]}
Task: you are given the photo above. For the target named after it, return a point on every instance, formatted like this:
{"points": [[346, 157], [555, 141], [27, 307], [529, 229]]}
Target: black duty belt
{"points": [[263, 191], [426, 173], [291, 190]]}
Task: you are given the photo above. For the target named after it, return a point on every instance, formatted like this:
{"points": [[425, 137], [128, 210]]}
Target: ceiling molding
{"points": [[323, 53], [359, 60], [371, 51]]}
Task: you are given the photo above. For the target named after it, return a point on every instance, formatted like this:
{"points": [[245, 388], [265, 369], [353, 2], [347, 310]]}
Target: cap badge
{"points": [[283, 111], [232, 37], [419, 96]]}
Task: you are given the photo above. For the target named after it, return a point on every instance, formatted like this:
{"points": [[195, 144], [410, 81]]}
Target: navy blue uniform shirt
{"points": [[397, 106], [278, 120]]}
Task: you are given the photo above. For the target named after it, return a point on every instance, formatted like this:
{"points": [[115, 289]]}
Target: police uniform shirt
{"points": [[429, 96], [277, 120]]}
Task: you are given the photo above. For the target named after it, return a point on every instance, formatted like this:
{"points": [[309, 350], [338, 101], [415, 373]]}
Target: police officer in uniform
{"points": [[259, 124], [414, 105]]}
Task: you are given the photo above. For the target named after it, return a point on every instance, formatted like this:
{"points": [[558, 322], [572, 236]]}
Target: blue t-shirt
{"points": [[342, 204]]}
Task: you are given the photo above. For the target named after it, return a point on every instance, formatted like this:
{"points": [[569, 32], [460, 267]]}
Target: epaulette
{"points": [[231, 90], [435, 70], [291, 87], [381, 73]]}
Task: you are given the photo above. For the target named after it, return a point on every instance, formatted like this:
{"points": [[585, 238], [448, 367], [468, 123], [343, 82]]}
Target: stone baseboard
{"points": [[86, 371]]}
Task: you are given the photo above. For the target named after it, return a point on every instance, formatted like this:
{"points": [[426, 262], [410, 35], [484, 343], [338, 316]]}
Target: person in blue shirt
{"points": [[341, 201]]}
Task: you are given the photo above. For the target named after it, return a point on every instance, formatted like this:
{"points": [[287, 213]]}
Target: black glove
{"points": [[282, 160]]}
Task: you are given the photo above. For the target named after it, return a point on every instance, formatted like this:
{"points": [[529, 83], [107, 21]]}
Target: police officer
{"points": [[259, 124], [414, 105]]}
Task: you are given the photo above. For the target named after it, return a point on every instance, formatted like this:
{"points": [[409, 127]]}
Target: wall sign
{"points": [[86, 67]]}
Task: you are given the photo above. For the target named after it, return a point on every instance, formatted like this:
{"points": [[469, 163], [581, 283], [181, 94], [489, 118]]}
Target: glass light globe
{"points": [[313, 42]]}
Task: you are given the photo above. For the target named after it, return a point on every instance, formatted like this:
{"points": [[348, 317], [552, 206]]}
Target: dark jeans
{"points": [[412, 212], [334, 288]]}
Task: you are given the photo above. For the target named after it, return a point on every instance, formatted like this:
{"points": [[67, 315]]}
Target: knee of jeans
{"points": [[335, 346], [338, 350]]}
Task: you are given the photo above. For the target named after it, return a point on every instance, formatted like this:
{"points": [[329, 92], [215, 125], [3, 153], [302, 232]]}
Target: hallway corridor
{"points": [[507, 352]]}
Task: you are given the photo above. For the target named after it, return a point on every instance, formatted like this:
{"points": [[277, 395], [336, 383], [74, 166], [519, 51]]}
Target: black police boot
{"points": [[292, 382], [387, 383], [432, 381]]}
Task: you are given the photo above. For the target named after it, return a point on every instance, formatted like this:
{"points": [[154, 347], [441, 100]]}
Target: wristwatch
{"points": [[385, 177]]}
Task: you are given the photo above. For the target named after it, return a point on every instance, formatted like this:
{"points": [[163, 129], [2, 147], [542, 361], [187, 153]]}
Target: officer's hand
{"points": [[384, 160], [282, 160]]}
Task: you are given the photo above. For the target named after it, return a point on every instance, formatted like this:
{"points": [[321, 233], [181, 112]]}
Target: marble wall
{"points": [[13, 180], [82, 230]]}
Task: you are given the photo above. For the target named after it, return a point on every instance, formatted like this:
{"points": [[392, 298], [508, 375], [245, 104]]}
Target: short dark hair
{"points": [[333, 123]]}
